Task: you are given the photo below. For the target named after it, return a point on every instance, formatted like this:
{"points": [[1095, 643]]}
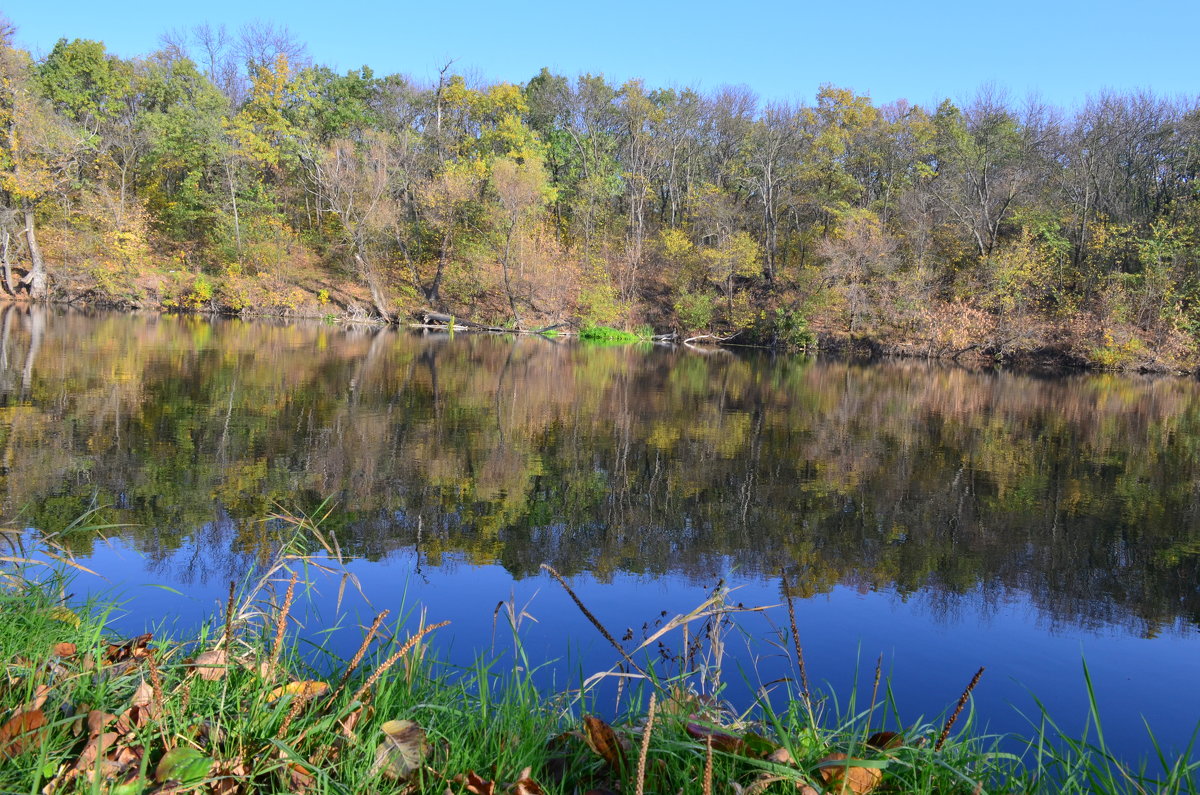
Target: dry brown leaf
{"points": [[402, 751], [300, 779], [135, 648], [601, 738], [780, 756], [760, 783], [98, 721], [95, 754], [885, 741], [842, 776], [525, 784], [721, 741], [348, 723], [143, 696], [65, 649], [212, 665], [40, 694], [229, 778], [20, 732], [476, 785]]}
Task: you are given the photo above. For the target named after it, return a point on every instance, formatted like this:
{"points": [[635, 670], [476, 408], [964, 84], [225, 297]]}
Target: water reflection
{"points": [[941, 484]]}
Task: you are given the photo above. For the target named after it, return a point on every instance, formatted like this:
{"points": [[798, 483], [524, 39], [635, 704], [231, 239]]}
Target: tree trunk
{"points": [[237, 226], [37, 329], [372, 280], [8, 282], [512, 302], [35, 280]]}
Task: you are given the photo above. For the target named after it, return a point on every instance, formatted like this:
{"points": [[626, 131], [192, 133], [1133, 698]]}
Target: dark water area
{"points": [[940, 517]]}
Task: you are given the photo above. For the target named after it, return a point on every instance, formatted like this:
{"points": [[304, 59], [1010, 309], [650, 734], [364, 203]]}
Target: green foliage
{"points": [[87, 84], [694, 310], [599, 303], [607, 334], [786, 328], [200, 295], [1114, 354]]}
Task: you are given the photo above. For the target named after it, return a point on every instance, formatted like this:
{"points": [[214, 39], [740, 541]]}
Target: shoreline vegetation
{"points": [[240, 706], [227, 172]]}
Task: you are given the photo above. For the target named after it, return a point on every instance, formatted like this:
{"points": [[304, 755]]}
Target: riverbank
{"points": [[1051, 348], [243, 705]]}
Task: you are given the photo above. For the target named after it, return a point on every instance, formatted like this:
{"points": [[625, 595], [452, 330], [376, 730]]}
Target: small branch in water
{"points": [[795, 637], [595, 621]]}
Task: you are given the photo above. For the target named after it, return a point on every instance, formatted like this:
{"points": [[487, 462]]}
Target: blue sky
{"points": [[922, 51]]}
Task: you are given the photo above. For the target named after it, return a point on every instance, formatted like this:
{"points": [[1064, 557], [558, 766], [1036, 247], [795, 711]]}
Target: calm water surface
{"points": [[942, 518]]}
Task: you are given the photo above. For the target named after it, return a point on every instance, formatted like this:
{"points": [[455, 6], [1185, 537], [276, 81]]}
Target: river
{"points": [[938, 517]]}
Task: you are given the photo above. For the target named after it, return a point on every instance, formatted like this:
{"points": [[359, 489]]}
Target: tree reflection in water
{"points": [[940, 483]]}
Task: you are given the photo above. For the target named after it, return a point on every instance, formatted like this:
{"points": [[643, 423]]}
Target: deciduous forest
{"points": [[228, 172]]}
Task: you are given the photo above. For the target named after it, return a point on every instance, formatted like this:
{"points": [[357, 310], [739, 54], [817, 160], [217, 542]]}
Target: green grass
{"points": [[607, 334], [221, 729]]}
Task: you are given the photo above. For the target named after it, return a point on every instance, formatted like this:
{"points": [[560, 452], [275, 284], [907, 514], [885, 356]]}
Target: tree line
{"points": [[227, 170]]}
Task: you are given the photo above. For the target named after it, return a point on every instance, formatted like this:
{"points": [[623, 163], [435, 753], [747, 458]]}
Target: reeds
{"points": [[958, 708]]}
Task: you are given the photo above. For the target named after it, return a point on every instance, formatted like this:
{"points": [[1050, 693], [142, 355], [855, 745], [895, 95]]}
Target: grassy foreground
{"points": [[240, 707]]}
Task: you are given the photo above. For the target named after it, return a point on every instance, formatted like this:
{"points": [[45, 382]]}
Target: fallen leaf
{"points": [[134, 784], [525, 784], [601, 738], [721, 741], [228, 778], [183, 764], [143, 695], [760, 783], [98, 720], [348, 723], [885, 741], [837, 771], [65, 615], [306, 690], [96, 755], [20, 732], [209, 732], [40, 694], [65, 649], [135, 648], [402, 751], [780, 756], [476, 785], [211, 665], [300, 778]]}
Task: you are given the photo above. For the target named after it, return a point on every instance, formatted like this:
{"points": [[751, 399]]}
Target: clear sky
{"points": [[920, 51]]}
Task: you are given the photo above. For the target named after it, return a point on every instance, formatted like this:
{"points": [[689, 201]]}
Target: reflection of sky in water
{"points": [[930, 649]]}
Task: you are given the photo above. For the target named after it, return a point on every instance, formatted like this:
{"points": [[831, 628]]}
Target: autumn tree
{"points": [[37, 151], [521, 190]]}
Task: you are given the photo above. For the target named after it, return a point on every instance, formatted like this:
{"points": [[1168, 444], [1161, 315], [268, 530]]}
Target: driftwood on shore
{"points": [[444, 322], [710, 338]]}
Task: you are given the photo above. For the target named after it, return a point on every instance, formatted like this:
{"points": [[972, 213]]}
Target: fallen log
{"points": [[430, 317], [712, 337]]}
